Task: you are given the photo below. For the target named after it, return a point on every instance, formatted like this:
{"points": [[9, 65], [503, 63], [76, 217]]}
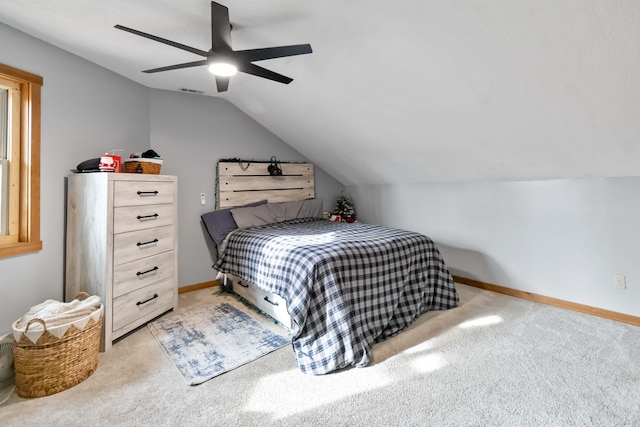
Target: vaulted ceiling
{"points": [[398, 91]]}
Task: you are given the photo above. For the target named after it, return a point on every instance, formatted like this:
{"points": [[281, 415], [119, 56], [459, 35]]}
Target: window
{"points": [[19, 161], [4, 161]]}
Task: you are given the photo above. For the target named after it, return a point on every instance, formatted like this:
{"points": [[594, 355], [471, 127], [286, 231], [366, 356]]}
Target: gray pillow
{"points": [[266, 214], [311, 208], [220, 223], [288, 210], [253, 217], [277, 212]]}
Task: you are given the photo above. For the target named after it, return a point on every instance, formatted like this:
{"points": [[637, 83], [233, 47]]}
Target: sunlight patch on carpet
{"points": [[420, 348], [297, 393], [210, 341], [428, 363], [482, 321]]}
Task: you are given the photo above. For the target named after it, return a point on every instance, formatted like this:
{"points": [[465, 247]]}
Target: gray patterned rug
{"points": [[210, 341]]}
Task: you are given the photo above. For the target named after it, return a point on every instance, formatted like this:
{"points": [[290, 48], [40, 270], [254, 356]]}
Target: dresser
{"points": [[122, 235]]}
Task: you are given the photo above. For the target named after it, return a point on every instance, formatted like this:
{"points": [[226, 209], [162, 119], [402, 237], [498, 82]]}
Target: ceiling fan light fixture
{"points": [[223, 69]]}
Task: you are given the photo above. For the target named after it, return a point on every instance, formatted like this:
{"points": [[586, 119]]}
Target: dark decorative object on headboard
{"points": [[274, 169]]}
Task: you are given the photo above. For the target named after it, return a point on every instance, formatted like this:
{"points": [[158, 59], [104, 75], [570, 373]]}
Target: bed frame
{"points": [[239, 182]]}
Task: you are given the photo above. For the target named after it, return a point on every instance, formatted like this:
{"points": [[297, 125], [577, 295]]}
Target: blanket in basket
{"points": [[58, 317]]}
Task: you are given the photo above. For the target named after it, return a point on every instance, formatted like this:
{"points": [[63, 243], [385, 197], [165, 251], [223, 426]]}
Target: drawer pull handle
{"points": [[140, 273], [147, 193], [242, 284], [270, 302], [141, 217], [147, 300], [147, 243]]}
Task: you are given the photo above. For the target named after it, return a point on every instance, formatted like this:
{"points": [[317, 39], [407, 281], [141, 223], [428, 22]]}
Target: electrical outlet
{"points": [[619, 281], [203, 200]]}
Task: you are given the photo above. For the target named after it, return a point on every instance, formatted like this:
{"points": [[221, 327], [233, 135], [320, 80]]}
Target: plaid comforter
{"points": [[346, 285]]}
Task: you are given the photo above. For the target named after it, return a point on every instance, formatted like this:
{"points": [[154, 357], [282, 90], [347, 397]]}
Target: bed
{"points": [[340, 287]]}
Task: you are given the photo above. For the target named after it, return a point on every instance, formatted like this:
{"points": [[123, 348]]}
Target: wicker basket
{"points": [[149, 166], [52, 364]]}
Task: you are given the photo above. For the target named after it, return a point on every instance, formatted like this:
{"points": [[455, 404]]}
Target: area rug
{"points": [[210, 341]]}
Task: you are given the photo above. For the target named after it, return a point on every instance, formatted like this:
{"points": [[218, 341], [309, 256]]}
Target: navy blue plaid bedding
{"points": [[346, 285]]}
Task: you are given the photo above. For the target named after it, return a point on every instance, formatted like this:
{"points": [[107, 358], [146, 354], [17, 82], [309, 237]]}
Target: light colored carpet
{"points": [[494, 361], [209, 341]]}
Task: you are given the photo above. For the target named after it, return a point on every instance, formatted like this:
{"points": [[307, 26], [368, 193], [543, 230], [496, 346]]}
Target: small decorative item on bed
{"points": [[342, 286]]}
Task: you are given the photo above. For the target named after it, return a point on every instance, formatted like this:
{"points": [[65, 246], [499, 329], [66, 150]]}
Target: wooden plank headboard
{"points": [[242, 182]]}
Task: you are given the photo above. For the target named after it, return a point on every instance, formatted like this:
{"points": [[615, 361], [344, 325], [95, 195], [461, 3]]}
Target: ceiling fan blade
{"points": [[161, 40], [251, 55], [220, 28], [177, 66], [222, 83], [256, 70]]}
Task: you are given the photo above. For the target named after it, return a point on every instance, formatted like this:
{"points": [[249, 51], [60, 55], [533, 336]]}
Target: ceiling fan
{"points": [[222, 60]]}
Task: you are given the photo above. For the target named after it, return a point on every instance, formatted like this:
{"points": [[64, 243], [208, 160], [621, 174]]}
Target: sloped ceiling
{"points": [[398, 91]]}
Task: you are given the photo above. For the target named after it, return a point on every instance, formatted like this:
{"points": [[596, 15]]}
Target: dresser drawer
{"points": [[140, 244], [131, 218], [132, 193], [137, 274], [270, 303], [137, 304]]}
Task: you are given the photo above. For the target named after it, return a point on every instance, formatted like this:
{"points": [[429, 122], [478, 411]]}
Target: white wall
{"points": [[193, 132], [561, 238], [85, 110]]}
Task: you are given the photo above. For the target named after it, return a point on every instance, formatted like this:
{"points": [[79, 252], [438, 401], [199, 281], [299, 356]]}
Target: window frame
{"points": [[25, 237], [9, 231]]}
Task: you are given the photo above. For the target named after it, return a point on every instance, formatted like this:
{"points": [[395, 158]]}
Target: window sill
{"points": [[14, 249]]}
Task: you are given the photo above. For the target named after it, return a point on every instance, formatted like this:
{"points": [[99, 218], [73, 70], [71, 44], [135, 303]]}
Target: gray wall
{"points": [[192, 133], [87, 110], [560, 238]]}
